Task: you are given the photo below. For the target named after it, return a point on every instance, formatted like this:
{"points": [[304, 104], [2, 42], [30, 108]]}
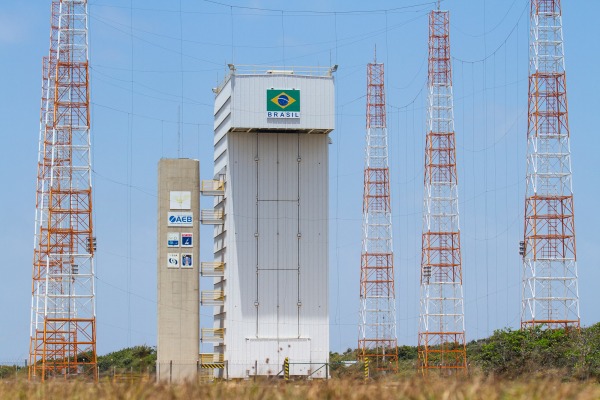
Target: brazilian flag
{"points": [[283, 100]]}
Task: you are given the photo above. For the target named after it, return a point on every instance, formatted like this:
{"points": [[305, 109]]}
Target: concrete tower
{"points": [[177, 269], [270, 294]]}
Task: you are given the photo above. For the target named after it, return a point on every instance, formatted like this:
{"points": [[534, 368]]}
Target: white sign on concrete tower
{"points": [[181, 219], [172, 260], [187, 240], [173, 239], [180, 200]]}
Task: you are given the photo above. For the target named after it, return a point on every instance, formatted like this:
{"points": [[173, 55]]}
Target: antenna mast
{"points": [[550, 287], [441, 324], [377, 327], [63, 316]]}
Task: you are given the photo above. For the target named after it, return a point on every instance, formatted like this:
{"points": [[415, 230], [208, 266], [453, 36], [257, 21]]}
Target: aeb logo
{"points": [[181, 219]]}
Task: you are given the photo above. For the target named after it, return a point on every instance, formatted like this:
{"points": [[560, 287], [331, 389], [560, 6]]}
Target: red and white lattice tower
{"points": [[63, 317], [550, 294], [441, 323], [377, 327]]}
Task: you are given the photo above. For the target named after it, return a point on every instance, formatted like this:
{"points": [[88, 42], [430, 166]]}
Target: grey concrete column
{"points": [[178, 268]]}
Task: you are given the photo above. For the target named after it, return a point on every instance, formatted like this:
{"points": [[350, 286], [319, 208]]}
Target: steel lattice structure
{"points": [[441, 324], [377, 327], [63, 319], [550, 293]]}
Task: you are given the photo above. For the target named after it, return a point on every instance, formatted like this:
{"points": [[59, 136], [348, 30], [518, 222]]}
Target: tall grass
{"points": [[413, 388]]}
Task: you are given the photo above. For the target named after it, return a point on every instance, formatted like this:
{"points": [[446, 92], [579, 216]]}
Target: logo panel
{"points": [[179, 200], [283, 103], [187, 240], [187, 260], [173, 239], [172, 260], [181, 219]]}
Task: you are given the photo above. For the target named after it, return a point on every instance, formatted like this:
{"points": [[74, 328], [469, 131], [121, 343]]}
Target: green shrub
{"points": [[137, 358]]}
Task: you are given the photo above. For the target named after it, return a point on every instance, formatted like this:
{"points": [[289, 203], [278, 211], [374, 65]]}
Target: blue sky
{"points": [[152, 70]]}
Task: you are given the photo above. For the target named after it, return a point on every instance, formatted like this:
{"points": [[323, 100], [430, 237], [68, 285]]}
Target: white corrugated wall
{"points": [[248, 104], [275, 238]]}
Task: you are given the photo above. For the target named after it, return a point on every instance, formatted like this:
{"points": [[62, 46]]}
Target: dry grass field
{"points": [[410, 388]]}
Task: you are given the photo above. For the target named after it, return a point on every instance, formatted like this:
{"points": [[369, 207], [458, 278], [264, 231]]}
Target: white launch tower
{"points": [[271, 188]]}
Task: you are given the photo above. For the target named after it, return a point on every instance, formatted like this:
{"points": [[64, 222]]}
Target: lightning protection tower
{"points": [[550, 294], [377, 339], [441, 324], [63, 320]]}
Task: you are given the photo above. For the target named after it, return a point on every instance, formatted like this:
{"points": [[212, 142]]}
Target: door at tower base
{"points": [[266, 357]]}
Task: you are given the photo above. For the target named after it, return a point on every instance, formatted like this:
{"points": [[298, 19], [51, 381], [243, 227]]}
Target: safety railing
{"points": [[210, 268], [211, 362], [212, 188], [274, 70], [214, 335], [242, 69], [212, 297], [206, 358], [212, 217]]}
